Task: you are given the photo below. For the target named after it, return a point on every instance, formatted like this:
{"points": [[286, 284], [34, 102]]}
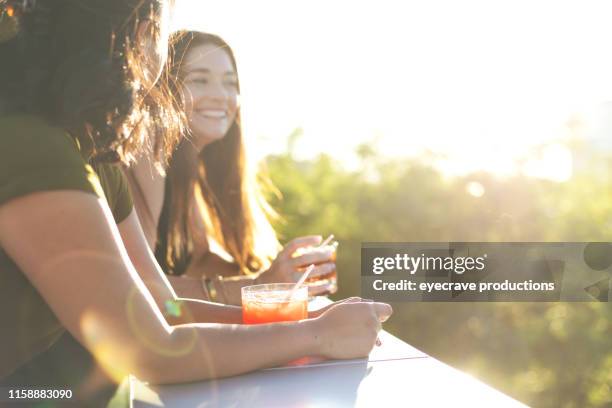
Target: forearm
{"points": [[225, 290], [223, 350], [200, 311], [229, 290], [111, 312], [187, 287], [188, 306]]}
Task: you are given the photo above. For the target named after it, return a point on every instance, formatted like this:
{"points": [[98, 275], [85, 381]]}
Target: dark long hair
{"points": [[218, 186], [75, 62]]}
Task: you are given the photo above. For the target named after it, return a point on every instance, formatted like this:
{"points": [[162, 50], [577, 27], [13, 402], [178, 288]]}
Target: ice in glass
{"points": [[270, 303]]}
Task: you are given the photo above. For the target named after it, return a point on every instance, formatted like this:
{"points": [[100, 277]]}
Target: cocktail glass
{"points": [[321, 285], [270, 303]]}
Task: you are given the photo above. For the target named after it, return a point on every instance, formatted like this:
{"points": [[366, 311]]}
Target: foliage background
{"points": [[543, 354]]}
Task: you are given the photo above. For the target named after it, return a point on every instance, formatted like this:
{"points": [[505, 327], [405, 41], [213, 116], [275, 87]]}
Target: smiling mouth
{"points": [[213, 113]]}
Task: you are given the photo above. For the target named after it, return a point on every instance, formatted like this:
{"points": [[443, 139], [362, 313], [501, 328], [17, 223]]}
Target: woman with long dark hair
{"points": [[78, 96], [208, 220]]}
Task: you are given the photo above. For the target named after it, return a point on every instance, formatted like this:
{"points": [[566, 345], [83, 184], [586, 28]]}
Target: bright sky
{"points": [[481, 81]]}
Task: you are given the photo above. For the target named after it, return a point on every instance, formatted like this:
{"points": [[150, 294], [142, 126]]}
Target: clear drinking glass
{"points": [[270, 303], [321, 285]]}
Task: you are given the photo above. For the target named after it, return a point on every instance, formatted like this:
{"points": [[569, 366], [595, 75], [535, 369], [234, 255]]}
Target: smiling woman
{"points": [[211, 195], [210, 85], [208, 221]]}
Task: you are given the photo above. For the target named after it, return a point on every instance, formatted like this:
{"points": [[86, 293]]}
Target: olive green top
{"points": [[35, 156]]}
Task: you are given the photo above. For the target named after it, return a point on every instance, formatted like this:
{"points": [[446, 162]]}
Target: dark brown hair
{"points": [[217, 186], [75, 62]]}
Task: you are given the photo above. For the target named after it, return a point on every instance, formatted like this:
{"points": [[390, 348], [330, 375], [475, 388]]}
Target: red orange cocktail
{"points": [[270, 303]]}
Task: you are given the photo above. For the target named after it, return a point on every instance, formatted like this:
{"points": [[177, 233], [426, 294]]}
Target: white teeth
{"points": [[213, 113]]}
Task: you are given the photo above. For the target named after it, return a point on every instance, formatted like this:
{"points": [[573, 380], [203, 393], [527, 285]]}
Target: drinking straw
{"points": [[300, 282], [327, 240], [308, 270]]}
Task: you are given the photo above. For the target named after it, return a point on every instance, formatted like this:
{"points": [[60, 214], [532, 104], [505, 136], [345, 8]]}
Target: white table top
{"points": [[395, 375]]}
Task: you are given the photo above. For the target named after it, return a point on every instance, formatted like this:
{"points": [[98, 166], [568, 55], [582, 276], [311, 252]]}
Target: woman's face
{"points": [[210, 85]]}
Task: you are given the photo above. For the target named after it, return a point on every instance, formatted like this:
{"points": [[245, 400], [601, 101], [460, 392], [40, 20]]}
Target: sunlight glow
{"points": [[111, 357], [480, 82], [475, 189], [554, 163], [421, 388]]}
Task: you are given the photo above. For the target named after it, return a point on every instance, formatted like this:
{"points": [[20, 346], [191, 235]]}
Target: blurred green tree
{"points": [[544, 354]]}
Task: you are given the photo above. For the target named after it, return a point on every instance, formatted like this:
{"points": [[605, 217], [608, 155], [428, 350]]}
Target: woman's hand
{"points": [[288, 268], [350, 329]]}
